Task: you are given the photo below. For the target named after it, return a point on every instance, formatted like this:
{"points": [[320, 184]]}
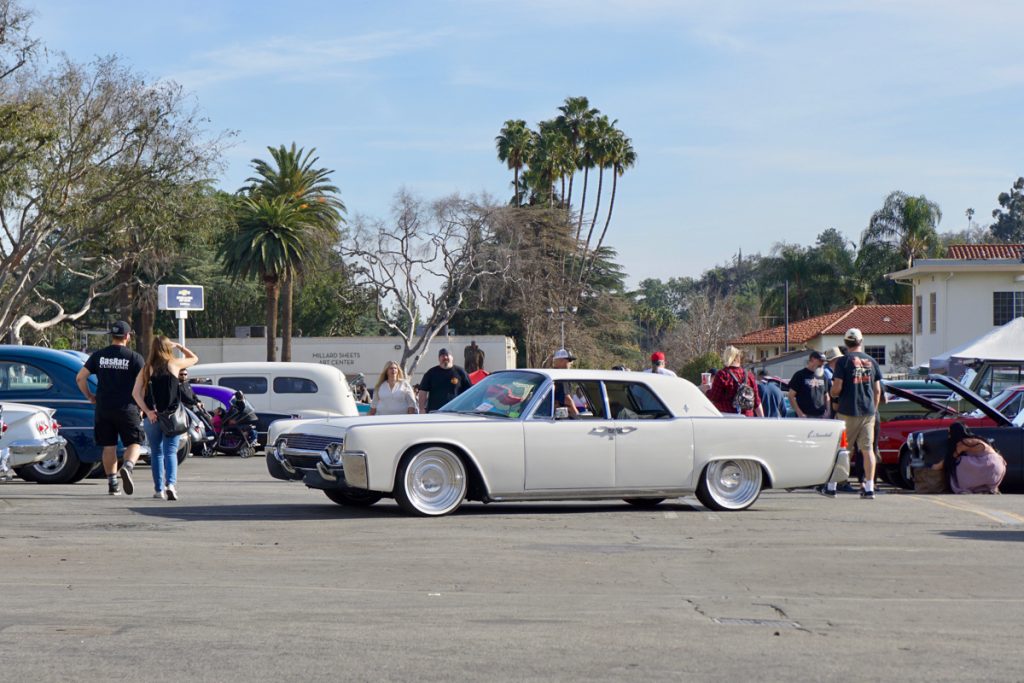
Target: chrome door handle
{"points": [[625, 430]]}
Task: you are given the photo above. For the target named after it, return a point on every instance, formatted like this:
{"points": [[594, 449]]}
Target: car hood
{"points": [[336, 426], [918, 399], [972, 398]]}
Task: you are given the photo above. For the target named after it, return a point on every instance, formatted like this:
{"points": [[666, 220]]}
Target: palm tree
{"points": [[295, 177], [550, 161], [515, 145], [272, 236], [600, 135], [908, 223], [621, 156], [576, 115]]}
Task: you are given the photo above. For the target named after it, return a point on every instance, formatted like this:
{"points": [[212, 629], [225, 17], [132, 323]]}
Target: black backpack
{"points": [[744, 398]]}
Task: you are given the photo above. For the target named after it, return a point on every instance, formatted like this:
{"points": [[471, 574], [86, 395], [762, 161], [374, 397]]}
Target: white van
{"points": [[283, 390]]}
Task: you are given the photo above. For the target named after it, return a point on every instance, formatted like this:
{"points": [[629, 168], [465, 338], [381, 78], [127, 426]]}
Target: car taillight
{"points": [[843, 443], [55, 425]]}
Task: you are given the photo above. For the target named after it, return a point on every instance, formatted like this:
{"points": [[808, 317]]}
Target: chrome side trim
{"points": [[589, 494]]}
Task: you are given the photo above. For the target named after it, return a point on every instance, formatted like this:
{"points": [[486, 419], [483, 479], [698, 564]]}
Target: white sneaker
{"points": [[161, 495], [172, 494]]}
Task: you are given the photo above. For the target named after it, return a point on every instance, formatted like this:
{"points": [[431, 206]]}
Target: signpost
{"points": [[181, 299]]}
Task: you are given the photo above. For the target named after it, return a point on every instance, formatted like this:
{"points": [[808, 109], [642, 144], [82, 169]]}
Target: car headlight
{"points": [[334, 453], [920, 440]]}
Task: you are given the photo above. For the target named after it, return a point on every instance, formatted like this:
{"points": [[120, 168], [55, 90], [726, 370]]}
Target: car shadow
{"points": [[987, 534], [385, 509]]}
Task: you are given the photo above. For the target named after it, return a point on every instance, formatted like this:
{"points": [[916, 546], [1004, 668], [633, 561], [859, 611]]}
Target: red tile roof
{"points": [[884, 319], [975, 252]]}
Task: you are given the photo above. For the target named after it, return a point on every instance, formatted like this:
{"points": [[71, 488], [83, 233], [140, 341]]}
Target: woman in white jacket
{"points": [[393, 394]]}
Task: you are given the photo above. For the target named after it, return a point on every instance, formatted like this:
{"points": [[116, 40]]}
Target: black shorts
{"points": [[120, 422]]}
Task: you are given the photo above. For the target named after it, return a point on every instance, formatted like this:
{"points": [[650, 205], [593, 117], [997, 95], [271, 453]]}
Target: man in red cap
{"points": [[658, 365]]}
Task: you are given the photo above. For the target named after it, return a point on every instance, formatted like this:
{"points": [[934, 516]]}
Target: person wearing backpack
{"points": [[733, 389]]}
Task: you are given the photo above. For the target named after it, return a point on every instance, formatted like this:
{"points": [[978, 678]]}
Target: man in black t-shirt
{"points": [[809, 387], [117, 415], [441, 383], [858, 386]]}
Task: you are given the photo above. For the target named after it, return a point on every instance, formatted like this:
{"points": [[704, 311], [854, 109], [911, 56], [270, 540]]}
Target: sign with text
{"points": [[180, 298]]}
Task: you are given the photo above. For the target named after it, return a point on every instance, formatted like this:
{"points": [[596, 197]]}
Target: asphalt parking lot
{"points": [[248, 578]]}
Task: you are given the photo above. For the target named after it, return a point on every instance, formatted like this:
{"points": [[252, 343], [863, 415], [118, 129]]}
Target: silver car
{"points": [[28, 434]]}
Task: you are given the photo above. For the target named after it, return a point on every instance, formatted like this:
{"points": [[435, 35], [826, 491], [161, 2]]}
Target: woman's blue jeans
{"points": [[163, 455]]}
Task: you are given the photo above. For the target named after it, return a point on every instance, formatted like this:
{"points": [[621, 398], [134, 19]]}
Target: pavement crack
{"points": [[778, 610], [697, 608]]}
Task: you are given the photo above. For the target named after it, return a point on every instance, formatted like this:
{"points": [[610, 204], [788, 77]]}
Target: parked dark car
{"points": [[892, 438], [46, 377], [928, 447]]}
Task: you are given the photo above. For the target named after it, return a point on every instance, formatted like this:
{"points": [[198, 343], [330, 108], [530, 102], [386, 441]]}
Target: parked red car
{"points": [[892, 437]]}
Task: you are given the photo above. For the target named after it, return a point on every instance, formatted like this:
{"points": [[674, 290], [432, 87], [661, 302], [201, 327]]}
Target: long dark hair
{"points": [[958, 431]]}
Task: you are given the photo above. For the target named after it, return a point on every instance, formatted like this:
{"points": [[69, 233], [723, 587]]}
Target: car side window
{"points": [[1012, 407], [22, 377], [294, 385], [585, 395], [247, 385], [634, 401], [544, 407]]}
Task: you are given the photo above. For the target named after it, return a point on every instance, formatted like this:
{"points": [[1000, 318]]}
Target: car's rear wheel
{"points": [[353, 498], [729, 485], [431, 481], [62, 468], [246, 450], [644, 502]]}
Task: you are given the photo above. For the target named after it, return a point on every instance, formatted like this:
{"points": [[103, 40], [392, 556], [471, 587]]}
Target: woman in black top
{"points": [[156, 389]]}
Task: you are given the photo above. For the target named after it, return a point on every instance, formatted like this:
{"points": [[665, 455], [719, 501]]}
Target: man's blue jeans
{"points": [[163, 457]]}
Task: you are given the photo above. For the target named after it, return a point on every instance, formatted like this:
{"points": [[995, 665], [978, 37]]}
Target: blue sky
{"points": [[753, 122]]}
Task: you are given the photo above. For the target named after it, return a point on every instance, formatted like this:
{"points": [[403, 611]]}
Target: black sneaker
{"points": [[126, 477], [847, 487], [823, 490], [868, 495], [114, 487]]}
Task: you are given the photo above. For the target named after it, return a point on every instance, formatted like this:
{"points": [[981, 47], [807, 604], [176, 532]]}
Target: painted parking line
{"points": [[669, 514], [1000, 516], [696, 506]]}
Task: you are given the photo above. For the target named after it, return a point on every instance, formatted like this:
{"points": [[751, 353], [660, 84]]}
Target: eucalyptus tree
{"points": [[294, 176], [515, 147], [908, 224], [273, 235]]}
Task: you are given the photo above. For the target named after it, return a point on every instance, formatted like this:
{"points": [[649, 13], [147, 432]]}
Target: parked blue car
{"points": [[46, 377]]}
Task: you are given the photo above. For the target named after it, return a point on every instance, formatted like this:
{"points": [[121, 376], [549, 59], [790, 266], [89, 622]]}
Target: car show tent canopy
{"points": [[1003, 343]]}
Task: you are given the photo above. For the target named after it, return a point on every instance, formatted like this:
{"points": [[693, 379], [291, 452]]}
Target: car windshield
{"points": [[1006, 401], [503, 394]]}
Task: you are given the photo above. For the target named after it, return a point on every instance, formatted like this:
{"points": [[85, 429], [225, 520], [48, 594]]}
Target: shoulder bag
{"points": [[173, 421]]}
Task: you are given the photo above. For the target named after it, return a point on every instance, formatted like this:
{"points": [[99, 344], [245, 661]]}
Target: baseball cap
{"points": [[657, 355], [562, 353], [817, 355], [443, 352], [853, 335], [120, 329]]}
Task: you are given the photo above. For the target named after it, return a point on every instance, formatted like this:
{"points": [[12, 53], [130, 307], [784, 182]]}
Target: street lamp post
{"points": [[562, 312]]}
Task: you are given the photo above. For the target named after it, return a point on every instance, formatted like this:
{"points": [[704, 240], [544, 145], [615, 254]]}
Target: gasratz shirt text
{"points": [[115, 368]]}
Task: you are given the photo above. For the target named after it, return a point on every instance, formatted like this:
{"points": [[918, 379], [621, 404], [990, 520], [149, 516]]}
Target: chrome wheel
{"points": [[431, 482], [730, 484]]}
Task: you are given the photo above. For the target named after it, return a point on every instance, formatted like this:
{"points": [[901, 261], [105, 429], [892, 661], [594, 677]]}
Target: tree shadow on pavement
{"points": [[987, 534]]}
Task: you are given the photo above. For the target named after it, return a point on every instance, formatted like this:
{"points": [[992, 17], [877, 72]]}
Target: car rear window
{"points": [[294, 385], [22, 377], [247, 385]]}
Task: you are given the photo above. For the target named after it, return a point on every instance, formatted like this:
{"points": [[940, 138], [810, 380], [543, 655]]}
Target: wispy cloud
{"points": [[293, 58]]}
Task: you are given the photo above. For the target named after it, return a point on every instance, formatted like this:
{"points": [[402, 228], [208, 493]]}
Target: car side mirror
{"points": [[561, 413]]}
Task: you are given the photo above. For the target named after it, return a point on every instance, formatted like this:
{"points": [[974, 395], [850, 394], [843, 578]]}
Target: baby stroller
{"points": [[237, 429]]}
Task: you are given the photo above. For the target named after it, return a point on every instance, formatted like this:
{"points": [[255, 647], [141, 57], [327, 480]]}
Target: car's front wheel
{"points": [[729, 485], [431, 481], [353, 498], [62, 468], [905, 476]]}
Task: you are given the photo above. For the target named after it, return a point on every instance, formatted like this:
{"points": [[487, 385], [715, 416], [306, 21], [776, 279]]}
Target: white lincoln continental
{"points": [[636, 436]]}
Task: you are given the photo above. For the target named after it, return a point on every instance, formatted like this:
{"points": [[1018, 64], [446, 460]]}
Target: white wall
{"points": [[963, 306], [353, 355], [889, 341]]}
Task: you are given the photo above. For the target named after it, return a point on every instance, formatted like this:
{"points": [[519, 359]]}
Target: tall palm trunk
{"points": [[515, 175], [568, 199], [286, 318], [272, 287], [600, 240], [561, 198], [583, 202]]}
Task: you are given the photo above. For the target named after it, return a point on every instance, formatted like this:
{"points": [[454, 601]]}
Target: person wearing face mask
{"points": [[809, 387]]}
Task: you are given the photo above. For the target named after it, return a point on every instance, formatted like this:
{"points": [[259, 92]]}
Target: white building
{"points": [[885, 328], [978, 288]]}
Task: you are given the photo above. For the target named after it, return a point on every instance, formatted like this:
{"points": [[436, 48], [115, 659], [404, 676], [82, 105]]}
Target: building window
{"points": [[876, 352], [1006, 306], [933, 312], [918, 314]]}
